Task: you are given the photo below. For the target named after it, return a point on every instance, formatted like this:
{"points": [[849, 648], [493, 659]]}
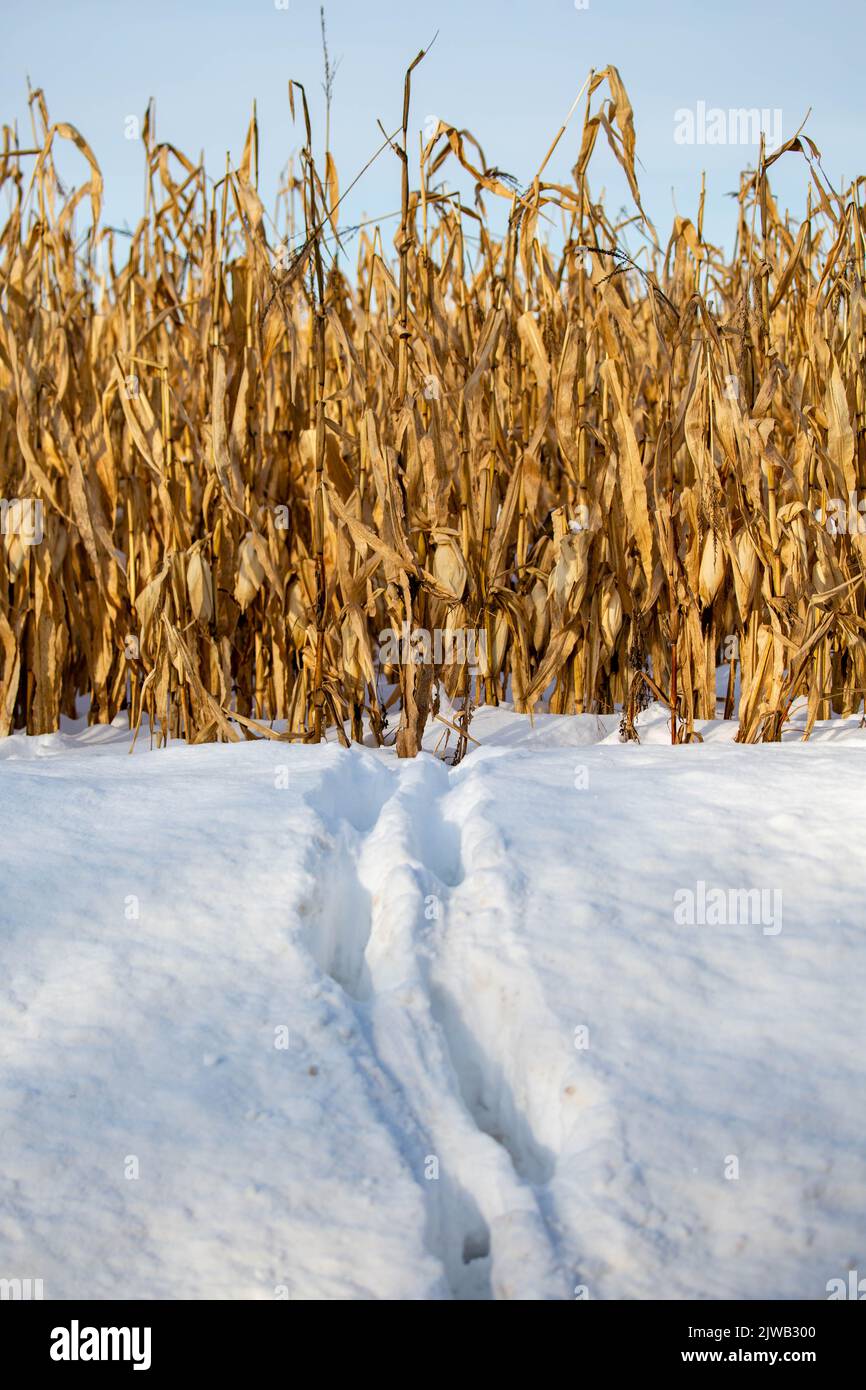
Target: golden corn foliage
{"points": [[251, 463]]}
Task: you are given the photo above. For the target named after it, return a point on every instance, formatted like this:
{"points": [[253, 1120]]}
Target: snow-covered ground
{"points": [[281, 1021]]}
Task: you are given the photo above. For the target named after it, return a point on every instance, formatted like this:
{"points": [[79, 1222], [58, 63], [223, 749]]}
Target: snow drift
{"points": [[281, 1021]]}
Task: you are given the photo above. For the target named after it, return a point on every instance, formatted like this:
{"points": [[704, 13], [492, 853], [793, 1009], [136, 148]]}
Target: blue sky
{"points": [[507, 71]]}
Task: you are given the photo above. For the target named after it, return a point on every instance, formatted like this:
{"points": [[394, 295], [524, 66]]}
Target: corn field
{"points": [[252, 455]]}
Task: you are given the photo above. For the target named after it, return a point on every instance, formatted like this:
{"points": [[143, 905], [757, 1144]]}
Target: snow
{"points": [[285, 1021]]}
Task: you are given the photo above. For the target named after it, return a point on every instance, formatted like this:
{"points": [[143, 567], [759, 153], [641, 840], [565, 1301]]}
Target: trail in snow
{"points": [[469, 1139], [373, 1029]]}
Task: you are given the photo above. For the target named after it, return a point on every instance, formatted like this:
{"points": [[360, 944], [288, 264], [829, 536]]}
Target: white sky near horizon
{"points": [[506, 71]]}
